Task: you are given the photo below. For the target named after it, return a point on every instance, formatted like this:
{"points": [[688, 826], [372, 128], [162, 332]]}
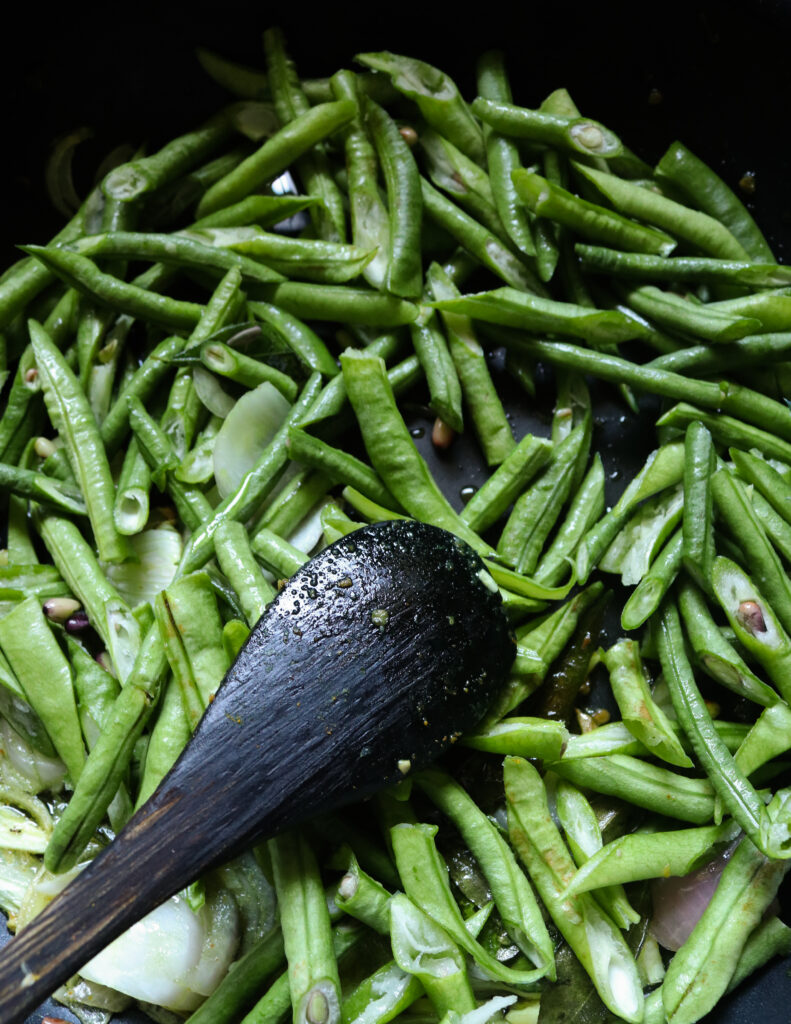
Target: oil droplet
{"points": [[418, 431], [467, 492]]}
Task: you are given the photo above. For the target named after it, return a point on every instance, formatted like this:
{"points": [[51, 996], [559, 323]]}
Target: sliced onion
{"points": [[679, 901], [248, 428], [158, 554], [211, 393]]}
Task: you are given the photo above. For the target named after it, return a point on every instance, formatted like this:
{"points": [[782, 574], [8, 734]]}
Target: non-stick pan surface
{"points": [[714, 75]]}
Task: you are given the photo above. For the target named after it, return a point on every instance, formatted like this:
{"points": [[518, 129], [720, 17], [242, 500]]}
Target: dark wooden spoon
{"points": [[370, 661]]}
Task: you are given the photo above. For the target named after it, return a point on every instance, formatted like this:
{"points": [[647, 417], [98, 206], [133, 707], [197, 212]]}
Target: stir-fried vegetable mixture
{"points": [[207, 377]]}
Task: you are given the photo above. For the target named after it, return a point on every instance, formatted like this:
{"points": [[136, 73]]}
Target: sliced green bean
{"points": [[232, 547], [593, 937], [599, 260], [597, 223]]}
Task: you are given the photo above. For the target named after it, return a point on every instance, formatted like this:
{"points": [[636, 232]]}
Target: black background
{"points": [[127, 71]]}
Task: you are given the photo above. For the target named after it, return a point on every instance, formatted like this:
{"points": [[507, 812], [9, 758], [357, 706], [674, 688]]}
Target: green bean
{"points": [[766, 740], [45, 679], [597, 223], [255, 485], [382, 996], [754, 621], [73, 419], [265, 211], [765, 478], [730, 784], [772, 309], [197, 466], [38, 487], [478, 241], [642, 784], [576, 135], [698, 229], [728, 430], [583, 835], [81, 273], [755, 408], [494, 496], [769, 939], [276, 154], [443, 973], [535, 738], [642, 855], [157, 450], [333, 302], [713, 652], [586, 508], [655, 583], [468, 184], [510, 889], [536, 510], [369, 219], [590, 933], [439, 369], [502, 156], [191, 632], [363, 898], [436, 96], [304, 258], [131, 506], [640, 713], [425, 880], [698, 535], [709, 192], [340, 467], [683, 317], [701, 970], [293, 501], [540, 643], [276, 553], [245, 370], [644, 267], [168, 737], [313, 166], [488, 416], [146, 174], [232, 547], [734, 508], [194, 250], [391, 449], [404, 274], [512, 308], [108, 760], [640, 540]]}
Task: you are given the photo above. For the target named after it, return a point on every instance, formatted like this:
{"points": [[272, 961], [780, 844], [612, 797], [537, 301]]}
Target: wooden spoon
{"points": [[374, 657]]}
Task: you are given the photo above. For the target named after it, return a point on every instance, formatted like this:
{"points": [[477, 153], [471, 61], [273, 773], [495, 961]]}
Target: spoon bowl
{"points": [[373, 658]]}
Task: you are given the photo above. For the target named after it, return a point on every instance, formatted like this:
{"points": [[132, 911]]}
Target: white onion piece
{"points": [[679, 901], [248, 428], [173, 957], [158, 555], [39, 771], [211, 393]]}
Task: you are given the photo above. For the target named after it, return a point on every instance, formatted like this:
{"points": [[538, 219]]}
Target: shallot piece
{"points": [[679, 901]]}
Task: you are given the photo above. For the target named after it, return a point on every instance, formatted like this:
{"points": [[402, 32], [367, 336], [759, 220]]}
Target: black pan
{"points": [[711, 74]]}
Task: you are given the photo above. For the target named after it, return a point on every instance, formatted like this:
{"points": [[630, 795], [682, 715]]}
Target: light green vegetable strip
{"points": [[307, 934], [595, 940], [232, 547], [649, 854], [583, 835], [539, 738], [494, 496], [44, 674], [768, 738], [72, 416], [425, 879], [423, 949], [191, 630], [391, 449], [700, 972], [109, 759], [642, 716], [510, 888]]}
